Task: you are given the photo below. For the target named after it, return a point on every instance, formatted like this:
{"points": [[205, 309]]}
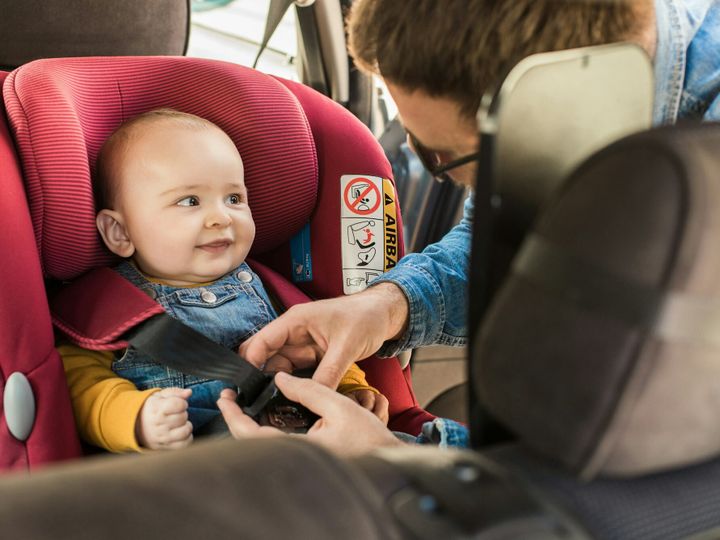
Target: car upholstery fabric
{"points": [[253, 489], [62, 110], [676, 504], [60, 28], [26, 335], [601, 348]]}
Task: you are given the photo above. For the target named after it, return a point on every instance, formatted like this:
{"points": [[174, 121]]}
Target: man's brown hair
{"points": [[459, 49]]}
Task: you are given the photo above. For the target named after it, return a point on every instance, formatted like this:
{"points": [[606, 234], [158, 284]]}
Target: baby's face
{"points": [[183, 198]]}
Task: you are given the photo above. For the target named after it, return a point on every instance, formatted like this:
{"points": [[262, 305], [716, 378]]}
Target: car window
{"points": [[232, 30]]}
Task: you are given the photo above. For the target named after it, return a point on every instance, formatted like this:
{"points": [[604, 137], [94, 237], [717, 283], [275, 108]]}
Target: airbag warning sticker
{"points": [[369, 235]]}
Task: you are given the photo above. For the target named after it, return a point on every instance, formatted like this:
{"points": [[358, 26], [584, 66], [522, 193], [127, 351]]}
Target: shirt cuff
{"points": [[444, 433], [426, 307]]}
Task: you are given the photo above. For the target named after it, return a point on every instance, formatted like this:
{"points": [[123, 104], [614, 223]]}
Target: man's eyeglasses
{"points": [[432, 162]]}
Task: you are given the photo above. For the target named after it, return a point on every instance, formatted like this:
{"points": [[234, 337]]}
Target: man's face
{"points": [[183, 199], [438, 125]]}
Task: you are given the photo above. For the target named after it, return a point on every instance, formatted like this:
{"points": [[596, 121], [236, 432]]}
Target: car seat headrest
{"points": [[62, 110], [602, 349], [55, 28]]}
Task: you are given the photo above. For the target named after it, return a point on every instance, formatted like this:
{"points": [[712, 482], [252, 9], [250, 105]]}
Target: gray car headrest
{"points": [[57, 28], [602, 349]]}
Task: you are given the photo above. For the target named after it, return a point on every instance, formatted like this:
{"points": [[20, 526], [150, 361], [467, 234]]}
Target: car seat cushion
{"points": [[62, 110]]}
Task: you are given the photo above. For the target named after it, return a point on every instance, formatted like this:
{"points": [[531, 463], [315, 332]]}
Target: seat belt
{"points": [[276, 11], [306, 21], [172, 343], [130, 317]]}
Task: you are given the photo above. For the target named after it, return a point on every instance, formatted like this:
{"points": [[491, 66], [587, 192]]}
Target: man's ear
{"points": [[112, 229]]}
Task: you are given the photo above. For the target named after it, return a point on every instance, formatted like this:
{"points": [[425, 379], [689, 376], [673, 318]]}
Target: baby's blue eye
{"points": [[189, 201], [233, 199]]}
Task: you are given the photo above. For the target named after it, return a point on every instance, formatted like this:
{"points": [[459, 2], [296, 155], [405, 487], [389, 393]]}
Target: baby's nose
{"points": [[218, 218]]}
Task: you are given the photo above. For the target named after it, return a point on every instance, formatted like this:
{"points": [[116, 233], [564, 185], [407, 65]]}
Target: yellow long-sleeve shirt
{"points": [[106, 406]]}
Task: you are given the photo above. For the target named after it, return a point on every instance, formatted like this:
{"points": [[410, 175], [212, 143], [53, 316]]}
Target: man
{"points": [[437, 58]]}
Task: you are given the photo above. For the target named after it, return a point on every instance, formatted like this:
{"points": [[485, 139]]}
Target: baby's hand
{"points": [[163, 420], [375, 403]]}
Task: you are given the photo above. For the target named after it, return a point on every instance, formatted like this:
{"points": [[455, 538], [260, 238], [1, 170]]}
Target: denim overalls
{"points": [[228, 311]]}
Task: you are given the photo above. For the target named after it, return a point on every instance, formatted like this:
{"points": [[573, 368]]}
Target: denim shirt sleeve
{"points": [[435, 284], [444, 433]]}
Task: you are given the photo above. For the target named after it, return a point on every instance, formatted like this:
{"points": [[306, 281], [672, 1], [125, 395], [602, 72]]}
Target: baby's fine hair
{"points": [[104, 182]]}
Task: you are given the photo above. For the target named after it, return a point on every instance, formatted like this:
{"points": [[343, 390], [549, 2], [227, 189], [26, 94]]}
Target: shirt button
{"points": [[245, 277], [208, 297]]}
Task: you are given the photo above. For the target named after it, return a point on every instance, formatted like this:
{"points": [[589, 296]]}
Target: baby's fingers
{"points": [[173, 405], [365, 398], [179, 437], [172, 421], [381, 408]]}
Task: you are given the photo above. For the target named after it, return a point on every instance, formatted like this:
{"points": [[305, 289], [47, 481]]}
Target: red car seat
{"points": [[26, 337], [295, 143]]}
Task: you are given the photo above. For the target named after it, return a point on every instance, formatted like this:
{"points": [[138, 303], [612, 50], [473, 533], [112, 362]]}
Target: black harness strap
{"points": [[171, 343]]}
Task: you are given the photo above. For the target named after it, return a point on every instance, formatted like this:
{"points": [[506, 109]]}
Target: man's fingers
{"points": [[306, 355], [332, 367], [265, 343], [227, 393], [316, 397], [240, 424], [278, 363]]}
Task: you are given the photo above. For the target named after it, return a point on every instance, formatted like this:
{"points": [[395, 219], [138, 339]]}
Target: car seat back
{"points": [[61, 28], [296, 145], [601, 349]]}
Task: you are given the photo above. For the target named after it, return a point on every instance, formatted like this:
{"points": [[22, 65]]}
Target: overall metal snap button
{"points": [[208, 297], [152, 293], [245, 277]]}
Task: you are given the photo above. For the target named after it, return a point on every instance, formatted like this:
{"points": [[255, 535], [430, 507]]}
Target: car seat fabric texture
{"points": [[62, 110], [683, 503], [26, 335], [295, 145], [601, 349]]}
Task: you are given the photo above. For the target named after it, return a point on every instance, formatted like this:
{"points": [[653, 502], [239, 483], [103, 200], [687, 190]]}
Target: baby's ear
{"points": [[114, 233]]}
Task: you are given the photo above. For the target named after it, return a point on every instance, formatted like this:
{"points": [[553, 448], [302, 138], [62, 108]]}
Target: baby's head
{"points": [[171, 193]]}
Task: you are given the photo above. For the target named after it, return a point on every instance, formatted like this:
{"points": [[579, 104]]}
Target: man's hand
{"points": [[373, 402], [332, 333], [163, 420], [343, 427]]}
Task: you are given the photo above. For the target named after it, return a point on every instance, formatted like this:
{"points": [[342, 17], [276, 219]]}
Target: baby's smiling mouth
{"points": [[215, 247]]}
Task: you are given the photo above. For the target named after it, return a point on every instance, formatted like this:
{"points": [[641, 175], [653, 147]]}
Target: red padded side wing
{"points": [[26, 336]]}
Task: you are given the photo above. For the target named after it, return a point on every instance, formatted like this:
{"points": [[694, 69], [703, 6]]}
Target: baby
{"points": [[174, 205]]}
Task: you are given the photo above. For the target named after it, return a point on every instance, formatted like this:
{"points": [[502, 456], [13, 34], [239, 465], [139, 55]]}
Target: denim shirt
{"points": [[687, 60], [228, 311], [687, 74]]}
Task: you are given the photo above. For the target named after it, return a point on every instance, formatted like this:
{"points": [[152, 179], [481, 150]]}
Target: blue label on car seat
{"points": [[300, 255]]}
